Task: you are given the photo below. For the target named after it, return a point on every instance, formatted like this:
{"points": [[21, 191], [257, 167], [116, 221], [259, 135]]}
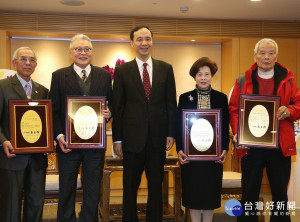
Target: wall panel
{"points": [[53, 54], [51, 22]]}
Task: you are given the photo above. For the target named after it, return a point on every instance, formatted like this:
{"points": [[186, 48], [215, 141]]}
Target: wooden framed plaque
{"points": [[31, 126], [258, 125], [85, 123], [202, 134]]}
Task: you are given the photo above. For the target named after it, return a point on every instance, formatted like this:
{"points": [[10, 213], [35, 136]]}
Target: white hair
{"points": [[15, 56], [265, 40], [80, 36]]}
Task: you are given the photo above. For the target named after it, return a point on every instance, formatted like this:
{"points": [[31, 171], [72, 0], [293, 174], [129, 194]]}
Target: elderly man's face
{"points": [[81, 52], [266, 57], [25, 64]]}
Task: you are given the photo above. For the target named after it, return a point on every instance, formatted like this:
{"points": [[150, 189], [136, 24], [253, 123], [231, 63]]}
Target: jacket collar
{"points": [[281, 74], [72, 79], [20, 90], [17, 86]]}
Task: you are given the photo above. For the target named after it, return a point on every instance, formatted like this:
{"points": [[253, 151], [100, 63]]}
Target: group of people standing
{"points": [[146, 122]]}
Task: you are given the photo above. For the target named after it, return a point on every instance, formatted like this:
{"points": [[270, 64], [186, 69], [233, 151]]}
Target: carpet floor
{"points": [[49, 213]]}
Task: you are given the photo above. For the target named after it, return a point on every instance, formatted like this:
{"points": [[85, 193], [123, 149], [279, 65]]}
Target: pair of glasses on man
{"points": [[24, 59], [80, 50]]}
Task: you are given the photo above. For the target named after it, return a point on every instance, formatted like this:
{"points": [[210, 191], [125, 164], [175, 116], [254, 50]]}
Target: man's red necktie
{"points": [[146, 81]]}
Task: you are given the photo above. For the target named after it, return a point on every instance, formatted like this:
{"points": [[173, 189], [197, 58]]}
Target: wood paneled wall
{"points": [[103, 24], [4, 49], [237, 57]]}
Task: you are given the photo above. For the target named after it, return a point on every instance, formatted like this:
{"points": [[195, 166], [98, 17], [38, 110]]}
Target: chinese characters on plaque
{"points": [[201, 134], [85, 124], [258, 125], [31, 126]]}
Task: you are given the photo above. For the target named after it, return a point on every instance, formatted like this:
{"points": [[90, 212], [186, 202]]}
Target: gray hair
{"points": [[15, 56], [265, 40], [80, 36]]}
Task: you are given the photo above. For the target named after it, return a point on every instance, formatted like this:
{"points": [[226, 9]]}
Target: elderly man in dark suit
{"points": [[20, 173], [144, 104], [79, 79]]}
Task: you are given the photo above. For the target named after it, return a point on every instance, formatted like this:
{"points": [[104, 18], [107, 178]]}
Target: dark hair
{"points": [[136, 28], [204, 61]]}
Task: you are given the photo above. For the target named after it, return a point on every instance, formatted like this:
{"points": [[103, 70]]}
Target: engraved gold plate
{"points": [[31, 126]]}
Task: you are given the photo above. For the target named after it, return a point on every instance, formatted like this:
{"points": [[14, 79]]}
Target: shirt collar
{"points": [[78, 69], [23, 82], [140, 62]]}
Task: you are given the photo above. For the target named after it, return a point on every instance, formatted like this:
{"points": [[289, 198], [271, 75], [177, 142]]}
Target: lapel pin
{"points": [[191, 98]]}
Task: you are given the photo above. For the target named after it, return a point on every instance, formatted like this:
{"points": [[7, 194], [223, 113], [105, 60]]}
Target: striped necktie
{"points": [[28, 90], [84, 77]]}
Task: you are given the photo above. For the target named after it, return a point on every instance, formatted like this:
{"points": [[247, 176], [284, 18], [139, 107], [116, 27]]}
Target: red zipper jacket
{"points": [[290, 97]]}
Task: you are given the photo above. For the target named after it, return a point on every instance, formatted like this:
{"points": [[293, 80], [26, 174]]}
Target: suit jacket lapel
{"points": [[155, 76], [193, 98], [134, 71], [35, 94], [17, 86], [71, 80], [213, 99], [95, 82]]}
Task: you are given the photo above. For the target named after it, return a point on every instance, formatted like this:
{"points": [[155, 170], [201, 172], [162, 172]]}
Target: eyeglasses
{"points": [[80, 50], [24, 59]]}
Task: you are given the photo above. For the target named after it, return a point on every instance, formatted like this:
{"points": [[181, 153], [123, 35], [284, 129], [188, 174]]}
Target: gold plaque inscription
{"points": [[31, 126]]}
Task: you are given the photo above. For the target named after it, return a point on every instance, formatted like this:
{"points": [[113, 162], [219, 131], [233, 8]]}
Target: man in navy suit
{"points": [[79, 79], [144, 105], [20, 173]]}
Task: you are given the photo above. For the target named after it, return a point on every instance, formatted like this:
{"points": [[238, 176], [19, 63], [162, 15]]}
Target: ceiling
{"points": [[288, 10]]}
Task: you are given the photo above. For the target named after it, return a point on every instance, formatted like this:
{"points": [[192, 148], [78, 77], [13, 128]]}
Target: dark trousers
{"points": [[278, 171], [134, 165], [92, 171], [31, 182]]}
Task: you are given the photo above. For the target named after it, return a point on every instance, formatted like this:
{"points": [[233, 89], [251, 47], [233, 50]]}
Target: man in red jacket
{"points": [[267, 77]]}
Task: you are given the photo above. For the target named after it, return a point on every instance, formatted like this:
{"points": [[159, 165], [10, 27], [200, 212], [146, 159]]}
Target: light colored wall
{"points": [[182, 57], [53, 54]]}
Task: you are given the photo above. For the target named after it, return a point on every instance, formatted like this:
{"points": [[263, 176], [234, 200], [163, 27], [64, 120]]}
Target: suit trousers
{"points": [[278, 171], [92, 170], [134, 165], [28, 182]]}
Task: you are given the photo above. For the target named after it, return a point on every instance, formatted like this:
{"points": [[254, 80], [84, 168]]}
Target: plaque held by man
{"points": [[31, 126], [258, 125], [85, 123]]}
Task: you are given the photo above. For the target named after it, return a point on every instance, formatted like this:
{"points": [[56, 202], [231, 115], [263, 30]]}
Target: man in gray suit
{"points": [[144, 105], [20, 172], [79, 79]]}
